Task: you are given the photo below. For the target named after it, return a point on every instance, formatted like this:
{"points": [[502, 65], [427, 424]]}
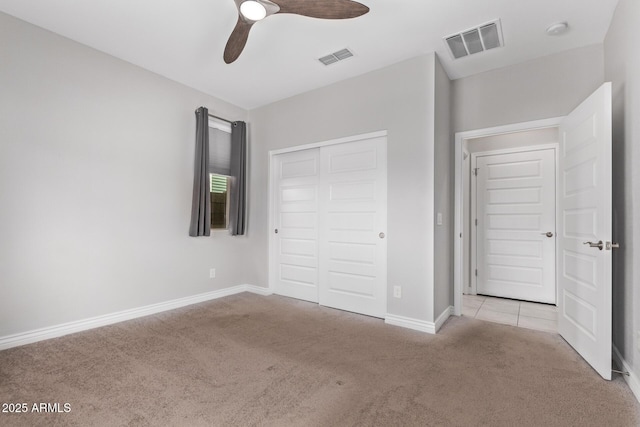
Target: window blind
{"points": [[219, 152], [218, 184]]}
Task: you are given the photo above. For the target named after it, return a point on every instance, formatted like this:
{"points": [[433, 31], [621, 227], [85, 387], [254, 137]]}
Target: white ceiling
{"points": [[184, 39]]}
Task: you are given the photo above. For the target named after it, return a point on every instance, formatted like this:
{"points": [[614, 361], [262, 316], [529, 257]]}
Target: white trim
{"points": [[631, 379], [467, 177], [419, 325], [458, 226], [527, 149], [49, 332], [443, 317], [265, 292], [473, 228], [352, 138], [410, 323], [514, 127]]}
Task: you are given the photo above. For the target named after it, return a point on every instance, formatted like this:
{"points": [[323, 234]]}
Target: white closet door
{"points": [[516, 211], [296, 225], [353, 245]]}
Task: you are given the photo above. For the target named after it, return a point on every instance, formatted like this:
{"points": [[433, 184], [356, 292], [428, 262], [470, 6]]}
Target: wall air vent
{"points": [[336, 56], [475, 40]]}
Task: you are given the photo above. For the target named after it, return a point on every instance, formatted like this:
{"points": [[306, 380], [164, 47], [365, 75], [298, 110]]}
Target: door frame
{"points": [[271, 209], [473, 189], [460, 138]]}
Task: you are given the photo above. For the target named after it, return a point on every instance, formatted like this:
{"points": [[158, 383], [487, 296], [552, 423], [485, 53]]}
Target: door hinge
{"points": [[621, 372], [475, 171], [476, 272], [476, 222]]}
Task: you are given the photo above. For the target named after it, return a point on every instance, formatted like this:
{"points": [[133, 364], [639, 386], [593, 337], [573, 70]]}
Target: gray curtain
{"points": [[201, 201], [237, 205]]}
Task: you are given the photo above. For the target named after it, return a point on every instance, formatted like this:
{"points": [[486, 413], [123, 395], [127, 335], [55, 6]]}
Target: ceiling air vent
{"points": [[475, 40], [336, 56]]}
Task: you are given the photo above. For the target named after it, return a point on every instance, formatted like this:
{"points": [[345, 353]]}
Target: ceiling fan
{"points": [[252, 11]]}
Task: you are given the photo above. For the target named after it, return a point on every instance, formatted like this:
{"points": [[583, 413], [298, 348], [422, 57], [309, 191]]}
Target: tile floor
{"points": [[542, 317]]}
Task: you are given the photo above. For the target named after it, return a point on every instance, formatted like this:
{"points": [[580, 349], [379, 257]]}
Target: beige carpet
{"points": [[250, 360]]}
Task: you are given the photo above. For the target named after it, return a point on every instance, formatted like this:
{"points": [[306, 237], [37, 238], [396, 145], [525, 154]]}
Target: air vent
{"points": [[336, 56], [475, 40]]}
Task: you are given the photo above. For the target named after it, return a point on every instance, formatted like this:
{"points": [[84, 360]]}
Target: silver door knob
{"points": [[548, 234], [598, 245], [381, 235]]}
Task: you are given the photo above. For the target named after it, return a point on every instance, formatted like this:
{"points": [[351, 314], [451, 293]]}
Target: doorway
{"points": [[583, 220], [516, 137], [509, 219]]}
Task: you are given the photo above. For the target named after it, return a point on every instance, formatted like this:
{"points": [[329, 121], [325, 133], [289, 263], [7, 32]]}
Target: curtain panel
{"points": [[201, 200], [237, 206]]}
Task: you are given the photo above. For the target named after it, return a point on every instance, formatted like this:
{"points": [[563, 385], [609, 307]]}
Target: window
{"points": [[219, 170], [219, 201]]}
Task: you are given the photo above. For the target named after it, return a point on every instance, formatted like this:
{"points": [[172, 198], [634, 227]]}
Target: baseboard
{"points": [[29, 337], [410, 323], [631, 379], [258, 290], [417, 324], [443, 317]]}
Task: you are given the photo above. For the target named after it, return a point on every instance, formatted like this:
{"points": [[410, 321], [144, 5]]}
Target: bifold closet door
{"points": [[353, 224], [296, 224]]}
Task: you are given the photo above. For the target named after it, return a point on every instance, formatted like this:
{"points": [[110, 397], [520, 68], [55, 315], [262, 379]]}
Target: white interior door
{"points": [[353, 246], [296, 224], [584, 279], [516, 210]]}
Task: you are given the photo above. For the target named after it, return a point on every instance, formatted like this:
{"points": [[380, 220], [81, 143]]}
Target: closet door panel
{"points": [[353, 220], [295, 248]]}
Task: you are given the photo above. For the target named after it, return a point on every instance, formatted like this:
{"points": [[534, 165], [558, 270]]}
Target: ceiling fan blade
{"points": [[237, 40], [325, 9]]}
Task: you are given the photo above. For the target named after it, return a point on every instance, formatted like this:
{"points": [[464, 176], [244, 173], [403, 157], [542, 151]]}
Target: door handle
{"points": [[548, 234], [611, 245], [598, 245]]}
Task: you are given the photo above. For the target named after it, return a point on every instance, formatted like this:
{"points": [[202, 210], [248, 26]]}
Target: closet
{"points": [[329, 217]]}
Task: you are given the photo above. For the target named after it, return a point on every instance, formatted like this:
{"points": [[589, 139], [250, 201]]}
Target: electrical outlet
{"points": [[212, 273], [397, 292]]}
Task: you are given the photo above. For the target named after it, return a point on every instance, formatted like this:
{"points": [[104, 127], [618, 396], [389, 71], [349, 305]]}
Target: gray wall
{"points": [[547, 87], [443, 193], [96, 172], [399, 99], [622, 68], [96, 159]]}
